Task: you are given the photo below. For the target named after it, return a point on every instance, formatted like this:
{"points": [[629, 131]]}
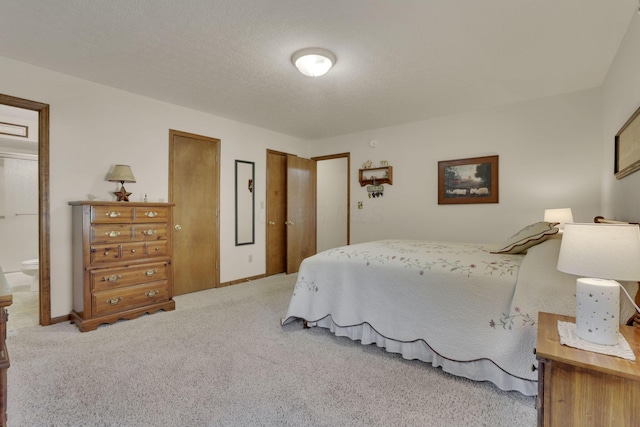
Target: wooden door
{"points": [[276, 213], [194, 188], [301, 211]]}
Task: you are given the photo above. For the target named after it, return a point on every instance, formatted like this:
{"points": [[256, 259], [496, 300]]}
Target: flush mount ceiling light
{"points": [[313, 61]]}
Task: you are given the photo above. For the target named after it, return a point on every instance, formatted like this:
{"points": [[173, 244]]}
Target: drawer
{"points": [[104, 279], [111, 214], [121, 299], [107, 233], [104, 253], [132, 251], [150, 232], [151, 214], [158, 248]]}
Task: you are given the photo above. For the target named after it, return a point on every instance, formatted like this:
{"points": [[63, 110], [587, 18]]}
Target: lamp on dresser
{"points": [[600, 254], [121, 174]]}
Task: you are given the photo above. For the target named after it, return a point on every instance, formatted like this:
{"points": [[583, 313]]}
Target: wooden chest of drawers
{"points": [[121, 261]]}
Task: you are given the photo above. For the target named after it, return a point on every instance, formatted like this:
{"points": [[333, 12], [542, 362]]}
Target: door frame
{"points": [[43, 204], [340, 156], [218, 144]]}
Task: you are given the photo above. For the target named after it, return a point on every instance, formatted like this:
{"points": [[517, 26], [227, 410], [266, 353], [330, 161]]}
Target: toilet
{"points": [[30, 267]]}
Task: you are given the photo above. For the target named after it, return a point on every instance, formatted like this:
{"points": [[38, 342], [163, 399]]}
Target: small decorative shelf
{"points": [[381, 175]]}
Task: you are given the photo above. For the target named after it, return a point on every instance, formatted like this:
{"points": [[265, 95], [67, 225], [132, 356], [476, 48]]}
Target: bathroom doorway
{"points": [[25, 143], [19, 212]]}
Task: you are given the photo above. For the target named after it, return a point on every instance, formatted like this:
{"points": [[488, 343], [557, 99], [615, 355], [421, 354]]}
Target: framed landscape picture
{"points": [[627, 143], [473, 180]]}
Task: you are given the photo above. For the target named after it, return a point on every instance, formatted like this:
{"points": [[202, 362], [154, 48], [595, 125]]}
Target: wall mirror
{"points": [[245, 199]]}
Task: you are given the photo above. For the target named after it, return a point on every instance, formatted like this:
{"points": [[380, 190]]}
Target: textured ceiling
{"points": [[398, 61]]}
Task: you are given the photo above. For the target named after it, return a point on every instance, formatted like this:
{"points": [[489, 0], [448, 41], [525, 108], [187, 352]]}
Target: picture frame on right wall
{"points": [[627, 147]]}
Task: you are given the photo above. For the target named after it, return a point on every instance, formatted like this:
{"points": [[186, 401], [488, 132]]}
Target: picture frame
{"points": [[627, 147], [467, 181]]}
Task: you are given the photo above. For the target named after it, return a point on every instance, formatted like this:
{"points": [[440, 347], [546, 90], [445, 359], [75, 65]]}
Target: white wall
{"points": [[550, 157], [621, 98], [94, 127]]}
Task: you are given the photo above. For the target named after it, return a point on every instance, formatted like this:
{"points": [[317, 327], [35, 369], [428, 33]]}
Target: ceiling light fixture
{"points": [[313, 61]]}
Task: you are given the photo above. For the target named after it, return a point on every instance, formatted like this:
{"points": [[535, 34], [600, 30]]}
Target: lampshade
{"points": [[604, 251], [562, 216], [600, 252], [313, 61], [121, 173]]}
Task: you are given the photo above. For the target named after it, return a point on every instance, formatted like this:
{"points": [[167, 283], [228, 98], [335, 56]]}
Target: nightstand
{"points": [[581, 388]]}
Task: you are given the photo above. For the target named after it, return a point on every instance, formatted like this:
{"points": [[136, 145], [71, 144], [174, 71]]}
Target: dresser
{"points": [[121, 261], [582, 388]]}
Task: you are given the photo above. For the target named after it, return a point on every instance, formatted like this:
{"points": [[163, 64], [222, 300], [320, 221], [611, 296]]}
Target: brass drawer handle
{"points": [[151, 214], [152, 294], [113, 278], [150, 273], [157, 248], [112, 233], [113, 214], [133, 251], [149, 232], [114, 301]]}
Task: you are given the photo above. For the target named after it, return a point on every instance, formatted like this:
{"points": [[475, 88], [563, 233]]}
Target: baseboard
{"points": [[59, 319], [246, 279]]}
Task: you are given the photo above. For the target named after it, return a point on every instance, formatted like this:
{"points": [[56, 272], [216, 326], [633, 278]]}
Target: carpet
{"points": [[222, 359]]}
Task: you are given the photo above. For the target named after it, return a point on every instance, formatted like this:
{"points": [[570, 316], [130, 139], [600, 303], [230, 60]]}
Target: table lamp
{"points": [[600, 254], [561, 216], [121, 174]]}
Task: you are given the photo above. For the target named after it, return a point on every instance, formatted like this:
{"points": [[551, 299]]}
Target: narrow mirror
{"points": [[245, 219]]}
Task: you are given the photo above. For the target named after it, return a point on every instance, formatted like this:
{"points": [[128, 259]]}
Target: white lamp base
{"points": [[598, 310]]}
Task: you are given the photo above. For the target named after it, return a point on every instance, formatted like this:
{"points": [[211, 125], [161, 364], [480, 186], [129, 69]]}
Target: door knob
{"points": [[178, 227]]}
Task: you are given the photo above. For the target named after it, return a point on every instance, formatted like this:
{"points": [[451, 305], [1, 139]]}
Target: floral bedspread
{"points": [[460, 299]]}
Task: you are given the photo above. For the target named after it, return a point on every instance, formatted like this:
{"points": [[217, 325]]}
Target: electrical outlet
{"points": [[359, 205]]}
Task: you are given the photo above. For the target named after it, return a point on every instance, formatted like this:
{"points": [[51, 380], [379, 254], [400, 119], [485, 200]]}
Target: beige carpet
{"points": [[222, 359]]}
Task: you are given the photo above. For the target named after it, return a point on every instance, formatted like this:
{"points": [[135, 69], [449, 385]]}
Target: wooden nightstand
{"points": [[582, 388]]}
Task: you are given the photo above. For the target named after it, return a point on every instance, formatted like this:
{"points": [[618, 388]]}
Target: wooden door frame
{"points": [[217, 143], [43, 204], [348, 157]]}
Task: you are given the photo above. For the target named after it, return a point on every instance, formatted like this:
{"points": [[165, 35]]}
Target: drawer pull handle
{"points": [[150, 273], [149, 232], [112, 233], [113, 214], [157, 248], [152, 294], [133, 251], [106, 253], [151, 214], [114, 278], [114, 301]]}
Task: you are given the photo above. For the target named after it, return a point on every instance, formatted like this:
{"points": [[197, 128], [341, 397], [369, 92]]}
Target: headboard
{"points": [[635, 319]]}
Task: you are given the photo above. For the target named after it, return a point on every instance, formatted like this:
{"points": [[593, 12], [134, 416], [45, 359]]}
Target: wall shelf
{"points": [[381, 175]]}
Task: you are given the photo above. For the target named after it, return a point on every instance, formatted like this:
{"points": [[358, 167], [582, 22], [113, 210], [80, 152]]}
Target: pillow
{"points": [[529, 236]]}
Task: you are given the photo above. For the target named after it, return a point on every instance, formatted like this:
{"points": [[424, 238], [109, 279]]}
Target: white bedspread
{"points": [[473, 312]]}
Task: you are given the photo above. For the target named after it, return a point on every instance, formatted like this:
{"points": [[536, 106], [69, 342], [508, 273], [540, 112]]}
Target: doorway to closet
{"points": [[293, 207], [194, 188]]}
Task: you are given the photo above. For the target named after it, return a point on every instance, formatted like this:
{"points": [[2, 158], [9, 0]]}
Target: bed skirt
{"points": [[477, 370]]}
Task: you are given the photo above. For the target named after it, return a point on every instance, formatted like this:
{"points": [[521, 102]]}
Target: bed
{"points": [[459, 306]]}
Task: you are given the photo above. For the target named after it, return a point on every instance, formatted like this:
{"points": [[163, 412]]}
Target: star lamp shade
{"points": [[600, 254], [121, 174], [313, 61]]}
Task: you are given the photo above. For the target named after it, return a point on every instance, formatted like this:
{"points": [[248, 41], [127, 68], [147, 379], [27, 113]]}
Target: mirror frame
{"points": [[242, 185]]}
